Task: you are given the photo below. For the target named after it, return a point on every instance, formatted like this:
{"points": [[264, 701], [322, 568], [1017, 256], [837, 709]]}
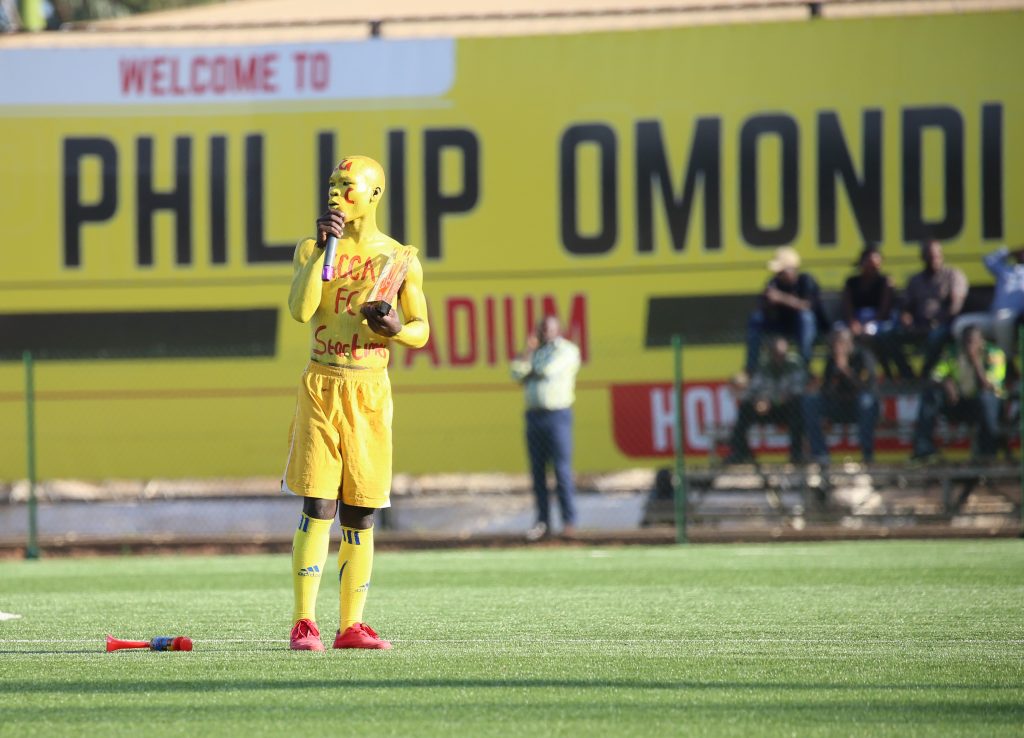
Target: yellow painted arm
{"points": [[304, 297], [416, 329]]}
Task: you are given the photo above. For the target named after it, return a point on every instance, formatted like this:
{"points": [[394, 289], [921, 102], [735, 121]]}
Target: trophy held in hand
{"points": [[384, 293]]}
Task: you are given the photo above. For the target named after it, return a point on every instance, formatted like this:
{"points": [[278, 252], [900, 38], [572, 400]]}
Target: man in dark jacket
{"points": [[774, 395], [848, 395], [790, 306]]}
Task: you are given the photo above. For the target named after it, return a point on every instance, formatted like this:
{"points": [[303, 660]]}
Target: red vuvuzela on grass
{"points": [[160, 643]]}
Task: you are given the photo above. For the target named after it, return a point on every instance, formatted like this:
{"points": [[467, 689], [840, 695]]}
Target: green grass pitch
{"points": [[845, 639]]}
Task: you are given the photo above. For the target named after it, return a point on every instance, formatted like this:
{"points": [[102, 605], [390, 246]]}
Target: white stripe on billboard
{"points": [[355, 70]]}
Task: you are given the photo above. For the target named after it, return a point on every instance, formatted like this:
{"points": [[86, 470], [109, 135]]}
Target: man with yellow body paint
{"points": [[339, 457]]}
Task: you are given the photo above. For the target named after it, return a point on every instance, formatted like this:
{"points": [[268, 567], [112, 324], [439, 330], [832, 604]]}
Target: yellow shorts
{"points": [[340, 439]]}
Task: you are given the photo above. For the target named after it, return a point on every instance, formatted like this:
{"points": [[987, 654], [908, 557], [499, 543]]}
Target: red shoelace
{"points": [[304, 629]]}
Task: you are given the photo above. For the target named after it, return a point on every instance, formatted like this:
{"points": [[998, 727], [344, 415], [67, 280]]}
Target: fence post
{"points": [[679, 478], [32, 547]]}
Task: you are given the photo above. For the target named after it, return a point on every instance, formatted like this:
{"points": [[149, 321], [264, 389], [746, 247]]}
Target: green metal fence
{"points": [[783, 494]]}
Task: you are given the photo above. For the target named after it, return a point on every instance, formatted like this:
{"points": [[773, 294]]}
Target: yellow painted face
{"points": [[356, 185]]}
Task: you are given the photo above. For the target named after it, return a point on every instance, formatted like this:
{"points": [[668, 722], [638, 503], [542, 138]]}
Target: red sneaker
{"points": [[360, 635], [306, 637]]}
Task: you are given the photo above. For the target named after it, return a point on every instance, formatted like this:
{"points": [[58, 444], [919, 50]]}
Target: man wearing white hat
{"points": [[789, 306]]}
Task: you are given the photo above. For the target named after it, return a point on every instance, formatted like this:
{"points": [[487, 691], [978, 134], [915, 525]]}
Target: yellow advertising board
{"points": [[617, 179]]}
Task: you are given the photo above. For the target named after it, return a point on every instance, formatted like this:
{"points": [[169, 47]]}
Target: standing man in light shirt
{"points": [[547, 370]]}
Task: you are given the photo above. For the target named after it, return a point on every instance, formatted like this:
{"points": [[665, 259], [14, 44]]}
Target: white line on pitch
{"points": [[101, 640], [834, 641]]}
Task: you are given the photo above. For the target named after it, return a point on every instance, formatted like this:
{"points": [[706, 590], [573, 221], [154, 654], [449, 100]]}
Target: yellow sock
{"points": [[355, 560], [309, 555]]}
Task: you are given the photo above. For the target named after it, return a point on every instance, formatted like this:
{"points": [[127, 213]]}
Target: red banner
{"points": [[643, 414]]}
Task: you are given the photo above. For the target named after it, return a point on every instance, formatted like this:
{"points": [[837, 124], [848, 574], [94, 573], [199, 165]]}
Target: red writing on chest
{"points": [[344, 298], [358, 271], [353, 349]]}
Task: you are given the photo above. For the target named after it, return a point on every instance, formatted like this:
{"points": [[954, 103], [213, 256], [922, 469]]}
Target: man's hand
{"points": [[907, 319], [978, 364], [532, 343], [331, 223], [762, 406], [856, 327], [952, 392], [775, 296], [387, 326]]}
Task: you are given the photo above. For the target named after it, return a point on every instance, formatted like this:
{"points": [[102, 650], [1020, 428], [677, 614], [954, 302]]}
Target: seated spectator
{"points": [[999, 324], [772, 396], [933, 299], [789, 306], [664, 485], [867, 295], [967, 389], [848, 395]]}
